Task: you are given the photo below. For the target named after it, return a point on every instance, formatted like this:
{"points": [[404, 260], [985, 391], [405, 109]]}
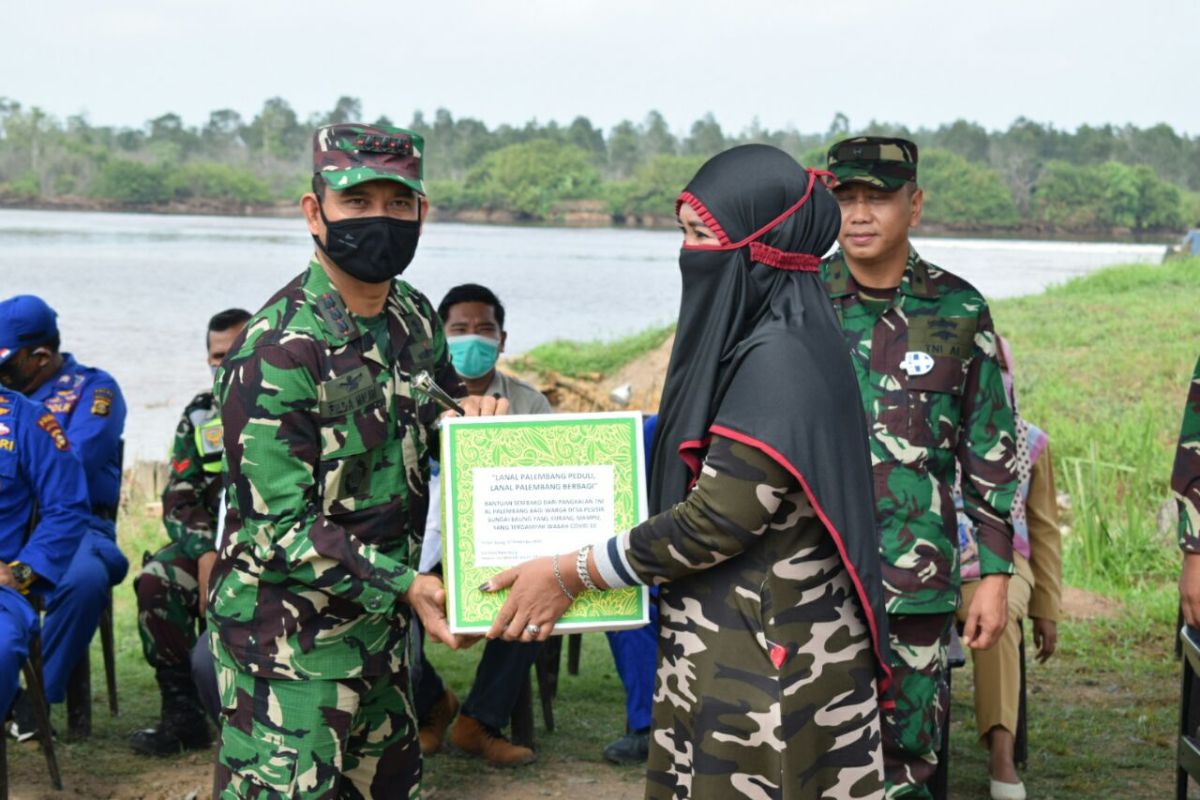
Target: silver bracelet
{"points": [[558, 577], [581, 567]]}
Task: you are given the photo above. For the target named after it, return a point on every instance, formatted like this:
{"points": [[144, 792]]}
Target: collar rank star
{"points": [[917, 363]]}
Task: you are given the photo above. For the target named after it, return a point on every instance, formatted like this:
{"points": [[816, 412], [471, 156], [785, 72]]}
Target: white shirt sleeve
{"points": [[220, 535], [431, 545]]}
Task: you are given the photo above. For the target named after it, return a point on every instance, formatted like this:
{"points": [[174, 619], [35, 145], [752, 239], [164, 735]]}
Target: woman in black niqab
{"points": [[763, 536]]}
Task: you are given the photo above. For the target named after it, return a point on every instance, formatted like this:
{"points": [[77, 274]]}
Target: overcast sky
{"points": [[788, 63]]}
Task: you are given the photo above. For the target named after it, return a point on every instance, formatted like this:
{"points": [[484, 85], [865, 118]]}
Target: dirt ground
{"points": [[190, 778]]}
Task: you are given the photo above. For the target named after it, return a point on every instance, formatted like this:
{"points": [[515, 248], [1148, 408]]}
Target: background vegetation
{"points": [[1030, 177]]}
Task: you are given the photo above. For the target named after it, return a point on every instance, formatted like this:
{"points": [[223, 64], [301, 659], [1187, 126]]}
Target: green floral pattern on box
{"points": [[565, 440]]}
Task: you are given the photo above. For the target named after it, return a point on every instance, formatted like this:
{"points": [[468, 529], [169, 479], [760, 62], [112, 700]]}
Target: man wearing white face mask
{"points": [[473, 321], [172, 586]]}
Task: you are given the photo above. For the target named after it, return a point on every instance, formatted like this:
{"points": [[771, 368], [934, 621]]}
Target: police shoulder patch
{"points": [[50, 425]]}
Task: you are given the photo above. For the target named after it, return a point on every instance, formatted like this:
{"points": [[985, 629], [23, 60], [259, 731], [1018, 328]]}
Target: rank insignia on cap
{"points": [[373, 143]]}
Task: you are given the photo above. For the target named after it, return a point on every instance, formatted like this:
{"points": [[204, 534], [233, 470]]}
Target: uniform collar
{"points": [[497, 385], [915, 280], [341, 325], [56, 381]]}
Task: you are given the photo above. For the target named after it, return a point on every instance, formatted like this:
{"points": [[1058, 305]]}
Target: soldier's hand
{"points": [[1045, 636], [484, 406], [988, 613], [1189, 589], [6, 576], [535, 599], [204, 565], [427, 598]]}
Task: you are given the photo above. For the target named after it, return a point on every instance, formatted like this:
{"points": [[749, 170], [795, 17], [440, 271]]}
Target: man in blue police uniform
{"points": [[37, 467], [88, 406]]}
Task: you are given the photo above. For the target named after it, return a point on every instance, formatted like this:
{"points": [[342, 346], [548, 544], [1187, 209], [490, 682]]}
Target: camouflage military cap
{"points": [[876, 160], [351, 153]]}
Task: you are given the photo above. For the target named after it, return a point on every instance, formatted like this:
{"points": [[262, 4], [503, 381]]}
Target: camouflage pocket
{"points": [[260, 760], [942, 347], [349, 449]]}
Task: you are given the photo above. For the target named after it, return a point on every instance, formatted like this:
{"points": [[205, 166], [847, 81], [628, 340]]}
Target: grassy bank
{"points": [[1103, 363], [591, 359]]}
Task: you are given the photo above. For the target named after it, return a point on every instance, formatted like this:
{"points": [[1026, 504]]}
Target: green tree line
{"points": [[1029, 176]]}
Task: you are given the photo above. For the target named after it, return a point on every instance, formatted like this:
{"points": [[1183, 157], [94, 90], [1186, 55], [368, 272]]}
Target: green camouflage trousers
{"points": [[168, 598], [912, 732], [315, 739], [766, 680]]}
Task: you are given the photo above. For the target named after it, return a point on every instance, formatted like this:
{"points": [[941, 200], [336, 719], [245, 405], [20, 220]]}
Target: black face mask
{"points": [[371, 249]]}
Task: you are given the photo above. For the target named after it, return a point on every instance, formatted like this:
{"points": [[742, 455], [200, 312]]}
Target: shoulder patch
{"points": [[50, 425], [102, 402]]}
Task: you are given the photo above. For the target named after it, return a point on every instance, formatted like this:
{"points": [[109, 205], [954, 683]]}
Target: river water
{"points": [[134, 291]]}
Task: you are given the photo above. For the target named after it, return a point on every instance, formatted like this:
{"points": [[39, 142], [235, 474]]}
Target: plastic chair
{"points": [[79, 687], [546, 667], [32, 670], [1188, 752]]}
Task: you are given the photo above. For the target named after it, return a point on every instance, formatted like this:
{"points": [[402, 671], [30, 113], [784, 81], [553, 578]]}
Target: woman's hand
{"points": [[535, 599]]}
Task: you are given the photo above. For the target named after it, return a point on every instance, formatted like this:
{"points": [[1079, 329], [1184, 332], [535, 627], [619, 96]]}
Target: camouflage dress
{"points": [[1185, 480], [766, 685]]}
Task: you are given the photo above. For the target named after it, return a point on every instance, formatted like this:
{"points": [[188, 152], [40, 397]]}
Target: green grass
{"points": [[586, 359], [1102, 364]]}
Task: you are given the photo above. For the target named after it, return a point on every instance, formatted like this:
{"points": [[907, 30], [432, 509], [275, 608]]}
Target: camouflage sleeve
{"points": [[739, 491], [987, 453], [189, 518], [273, 447], [1185, 478]]}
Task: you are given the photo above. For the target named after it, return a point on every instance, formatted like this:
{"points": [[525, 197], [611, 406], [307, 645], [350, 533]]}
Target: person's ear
{"points": [[503, 339], [918, 205], [311, 206]]}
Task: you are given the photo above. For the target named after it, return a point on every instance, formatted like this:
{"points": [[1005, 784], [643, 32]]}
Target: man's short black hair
{"points": [[471, 293], [225, 320]]}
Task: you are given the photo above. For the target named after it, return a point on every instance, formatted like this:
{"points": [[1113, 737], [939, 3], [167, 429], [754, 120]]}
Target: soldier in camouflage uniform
{"points": [[326, 474], [172, 585], [924, 350], [1185, 483], [770, 607]]}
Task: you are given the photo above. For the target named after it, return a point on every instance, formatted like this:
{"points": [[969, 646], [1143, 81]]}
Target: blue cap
{"points": [[25, 320]]}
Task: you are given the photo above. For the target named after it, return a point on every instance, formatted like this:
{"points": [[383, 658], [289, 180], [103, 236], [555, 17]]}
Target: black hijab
{"points": [[759, 355]]}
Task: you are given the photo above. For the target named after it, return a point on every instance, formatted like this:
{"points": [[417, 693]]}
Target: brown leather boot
{"points": [[439, 719], [472, 736]]}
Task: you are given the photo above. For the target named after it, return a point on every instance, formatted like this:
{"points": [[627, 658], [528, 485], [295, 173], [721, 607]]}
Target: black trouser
{"points": [[497, 683]]}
